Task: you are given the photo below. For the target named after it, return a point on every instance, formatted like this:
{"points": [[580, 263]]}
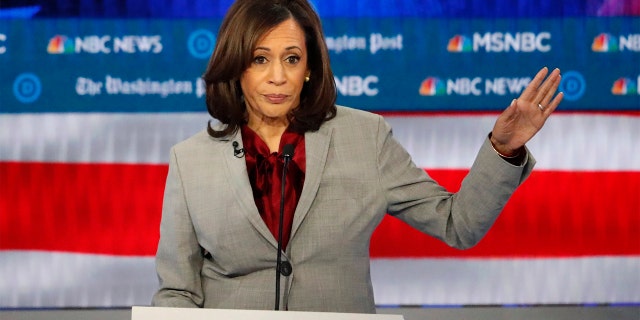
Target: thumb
{"points": [[511, 109], [510, 112]]}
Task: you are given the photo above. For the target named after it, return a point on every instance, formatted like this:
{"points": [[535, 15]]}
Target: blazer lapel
{"points": [[241, 187], [317, 148]]}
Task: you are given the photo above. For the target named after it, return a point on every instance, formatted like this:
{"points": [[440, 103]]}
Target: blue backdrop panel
{"points": [[380, 64]]}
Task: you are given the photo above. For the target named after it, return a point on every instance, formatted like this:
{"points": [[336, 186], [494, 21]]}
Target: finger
{"points": [[511, 109], [506, 117], [553, 104], [546, 86], [530, 91], [552, 91]]}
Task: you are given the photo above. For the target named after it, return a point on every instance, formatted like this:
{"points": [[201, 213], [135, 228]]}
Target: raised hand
{"points": [[526, 115]]}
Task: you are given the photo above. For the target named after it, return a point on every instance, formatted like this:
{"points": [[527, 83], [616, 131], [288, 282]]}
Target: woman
{"points": [[269, 84]]}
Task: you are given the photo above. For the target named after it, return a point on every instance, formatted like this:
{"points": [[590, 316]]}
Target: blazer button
{"points": [[285, 268]]}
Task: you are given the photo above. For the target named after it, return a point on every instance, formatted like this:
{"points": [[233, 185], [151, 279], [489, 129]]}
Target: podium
{"points": [[163, 313]]}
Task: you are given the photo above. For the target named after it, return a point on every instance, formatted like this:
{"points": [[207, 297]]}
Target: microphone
{"points": [[284, 268], [287, 153], [237, 152]]}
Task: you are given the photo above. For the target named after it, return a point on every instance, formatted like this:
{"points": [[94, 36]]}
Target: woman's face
{"points": [[272, 84]]}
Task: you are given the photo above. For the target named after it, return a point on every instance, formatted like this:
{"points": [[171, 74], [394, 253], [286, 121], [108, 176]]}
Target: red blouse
{"points": [[265, 175]]}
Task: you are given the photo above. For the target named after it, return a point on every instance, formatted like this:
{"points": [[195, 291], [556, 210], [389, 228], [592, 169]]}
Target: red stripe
{"points": [[89, 208], [553, 214], [115, 209]]}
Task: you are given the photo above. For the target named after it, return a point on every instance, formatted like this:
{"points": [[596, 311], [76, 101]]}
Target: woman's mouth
{"points": [[276, 98]]}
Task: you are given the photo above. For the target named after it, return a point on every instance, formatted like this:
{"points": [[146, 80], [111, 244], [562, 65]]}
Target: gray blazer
{"points": [[356, 172]]}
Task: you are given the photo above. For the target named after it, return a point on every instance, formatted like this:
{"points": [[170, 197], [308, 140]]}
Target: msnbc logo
{"points": [[604, 42], [623, 87], [432, 86], [501, 42], [459, 44], [60, 44]]}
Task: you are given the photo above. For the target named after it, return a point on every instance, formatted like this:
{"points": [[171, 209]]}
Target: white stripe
{"points": [[52, 279], [506, 281], [95, 137], [48, 279], [567, 142]]}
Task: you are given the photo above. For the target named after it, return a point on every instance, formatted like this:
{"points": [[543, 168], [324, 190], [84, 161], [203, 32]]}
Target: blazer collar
{"points": [[236, 169], [317, 148]]}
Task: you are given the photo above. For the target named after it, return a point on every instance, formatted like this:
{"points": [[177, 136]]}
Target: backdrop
{"points": [[94, 93]]}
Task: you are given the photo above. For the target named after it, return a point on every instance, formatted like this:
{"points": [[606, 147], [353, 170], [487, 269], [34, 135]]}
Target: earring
{"points": [[306, 79]]}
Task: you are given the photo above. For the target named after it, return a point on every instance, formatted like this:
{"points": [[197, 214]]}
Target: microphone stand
{"points": [[287, 153]]}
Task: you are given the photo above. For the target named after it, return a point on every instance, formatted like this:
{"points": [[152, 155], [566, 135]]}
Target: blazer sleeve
{"points": [[460, 219], [179, 258]]}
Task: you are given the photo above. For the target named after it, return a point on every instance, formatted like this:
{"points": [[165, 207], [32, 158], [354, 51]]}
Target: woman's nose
{"points": [[277, 73]]}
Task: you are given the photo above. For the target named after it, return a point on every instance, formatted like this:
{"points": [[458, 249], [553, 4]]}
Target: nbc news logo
{"points": [[606, 42], [624, 87]]}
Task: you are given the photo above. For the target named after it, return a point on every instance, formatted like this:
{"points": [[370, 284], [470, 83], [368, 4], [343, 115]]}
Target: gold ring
{"points": [[540, 107]]}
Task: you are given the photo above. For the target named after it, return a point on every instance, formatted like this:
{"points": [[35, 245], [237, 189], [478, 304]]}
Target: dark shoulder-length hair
{"points": [[243, 26]]}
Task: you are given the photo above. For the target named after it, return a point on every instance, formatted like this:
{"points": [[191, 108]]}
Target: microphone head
{"points": [[287, 150]]}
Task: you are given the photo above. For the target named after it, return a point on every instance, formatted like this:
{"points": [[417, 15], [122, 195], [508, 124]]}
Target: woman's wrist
{"points": [[507, 154]]}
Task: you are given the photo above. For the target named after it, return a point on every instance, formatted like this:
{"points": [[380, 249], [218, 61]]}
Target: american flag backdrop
{"points": [[90, 107], [81, 201]]}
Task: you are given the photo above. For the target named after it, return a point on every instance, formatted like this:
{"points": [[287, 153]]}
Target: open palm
{"points": [[526, 115]]}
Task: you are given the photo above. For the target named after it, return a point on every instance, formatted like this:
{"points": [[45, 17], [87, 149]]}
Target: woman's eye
{"points": [[260, 60], [293, 59]]}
